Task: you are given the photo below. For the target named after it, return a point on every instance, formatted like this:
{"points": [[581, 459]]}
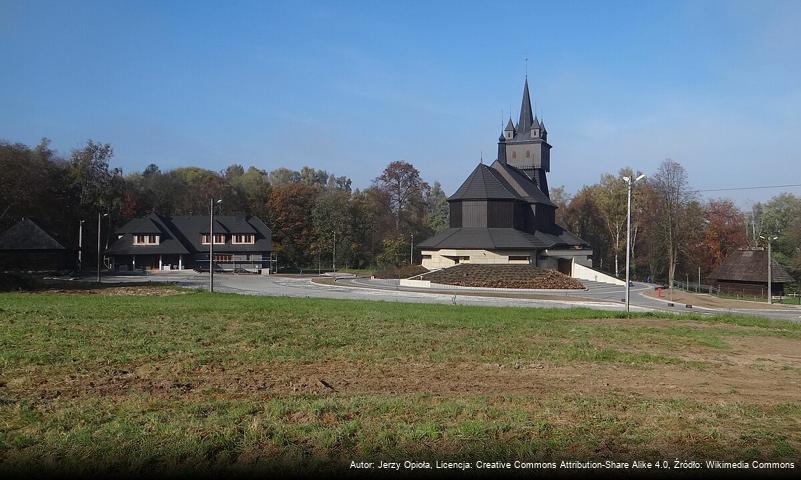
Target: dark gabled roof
{"points": [[192, 227], [483, 184], [499, 239], [27, 235], [182, 235], [509, 127], [750, 265], [169, 240], [222, 224], [143, 225], [525, 188]]}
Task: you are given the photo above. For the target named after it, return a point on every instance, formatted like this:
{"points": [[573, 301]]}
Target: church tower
{"points": [[525, 145]]}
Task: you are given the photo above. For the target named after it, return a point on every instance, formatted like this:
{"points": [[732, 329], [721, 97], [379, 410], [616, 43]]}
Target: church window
{"points": [[514, 155], [528, 154]]}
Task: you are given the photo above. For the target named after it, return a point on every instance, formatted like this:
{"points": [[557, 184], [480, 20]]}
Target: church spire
{"points": [[526, 117]]}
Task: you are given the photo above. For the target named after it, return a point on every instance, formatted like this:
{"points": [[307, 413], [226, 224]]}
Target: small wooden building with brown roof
{"points": [[746, 272]]}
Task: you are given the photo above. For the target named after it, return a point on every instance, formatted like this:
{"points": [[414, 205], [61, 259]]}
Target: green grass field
{"points": [[193, 381]]}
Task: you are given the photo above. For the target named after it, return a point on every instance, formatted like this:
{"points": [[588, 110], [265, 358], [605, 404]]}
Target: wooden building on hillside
{"points": [[745, 272]]}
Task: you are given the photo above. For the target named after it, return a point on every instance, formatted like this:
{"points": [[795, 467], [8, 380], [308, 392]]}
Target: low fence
{"points": [[695, 287]]}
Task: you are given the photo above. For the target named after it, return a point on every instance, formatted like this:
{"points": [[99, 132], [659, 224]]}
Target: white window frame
{"points": [[204, 239], [251, 239], [146, 239]]}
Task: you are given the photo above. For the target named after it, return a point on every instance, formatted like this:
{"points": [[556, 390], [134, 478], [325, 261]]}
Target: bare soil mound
{"points": [[503, 276]]}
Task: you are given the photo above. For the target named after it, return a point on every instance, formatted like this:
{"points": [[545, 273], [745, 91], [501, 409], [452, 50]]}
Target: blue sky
{"points": [[351, 86]]}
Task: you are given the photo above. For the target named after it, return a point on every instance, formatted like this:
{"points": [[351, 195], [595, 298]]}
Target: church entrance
{"points": [[565, 265]]}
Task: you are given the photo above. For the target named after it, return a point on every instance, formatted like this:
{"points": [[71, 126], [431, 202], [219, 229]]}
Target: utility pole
{"points": [[770, 268], [698, 290], [770, 276], [629, 184]]}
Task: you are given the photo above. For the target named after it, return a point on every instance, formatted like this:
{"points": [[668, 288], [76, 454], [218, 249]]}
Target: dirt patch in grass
{"points": [[781, 352], [725, 381], [126, 291]]}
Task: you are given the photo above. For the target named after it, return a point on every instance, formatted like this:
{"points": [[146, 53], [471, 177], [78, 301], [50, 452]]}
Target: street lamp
{"points": [[411, 251], [334, 253], [211, 243], [770, 269], [629, 184], [80, 245], [99, 217]]}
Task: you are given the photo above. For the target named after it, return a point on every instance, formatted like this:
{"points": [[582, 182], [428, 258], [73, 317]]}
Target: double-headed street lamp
{"points": [[211, 243], [629, 184], [770, 268]]}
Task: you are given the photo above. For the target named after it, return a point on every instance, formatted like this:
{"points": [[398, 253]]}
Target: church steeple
{"points": [[526, 116], [525, 145]]}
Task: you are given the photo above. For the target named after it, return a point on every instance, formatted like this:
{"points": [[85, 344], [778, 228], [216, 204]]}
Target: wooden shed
{"points": [[745, 272]]}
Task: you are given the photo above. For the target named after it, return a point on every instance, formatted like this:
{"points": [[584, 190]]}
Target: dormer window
{"points": [[246, 238], [535, 133], [219, 239], [140, 239]]}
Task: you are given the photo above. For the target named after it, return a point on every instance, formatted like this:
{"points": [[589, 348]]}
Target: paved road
{"points": [[600, 296]]}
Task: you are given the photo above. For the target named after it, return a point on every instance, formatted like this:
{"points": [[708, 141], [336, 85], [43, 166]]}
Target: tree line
{"points": [[319, 220], [676, 235]]}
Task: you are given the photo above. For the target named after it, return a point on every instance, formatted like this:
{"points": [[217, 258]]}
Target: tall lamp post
{"points": [[629, 184], [211, 243], [80, 245], [99, 217], [770, 268], [411, 251], [334, 253]]}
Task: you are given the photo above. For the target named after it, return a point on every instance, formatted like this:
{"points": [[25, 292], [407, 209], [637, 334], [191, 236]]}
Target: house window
{"points": [[222, 257], [246, 238], [219, 239], [146, 239]]}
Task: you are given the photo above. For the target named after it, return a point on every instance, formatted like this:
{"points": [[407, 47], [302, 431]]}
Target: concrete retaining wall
{"points": [[584, 273], [415, 283]]}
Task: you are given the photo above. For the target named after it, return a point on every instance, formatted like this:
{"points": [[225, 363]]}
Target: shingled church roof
{"points": [[749, 265], [27, 235], [485, 183]]}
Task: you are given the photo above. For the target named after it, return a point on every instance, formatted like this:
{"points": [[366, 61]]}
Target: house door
{"points": [[565, 265]]}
